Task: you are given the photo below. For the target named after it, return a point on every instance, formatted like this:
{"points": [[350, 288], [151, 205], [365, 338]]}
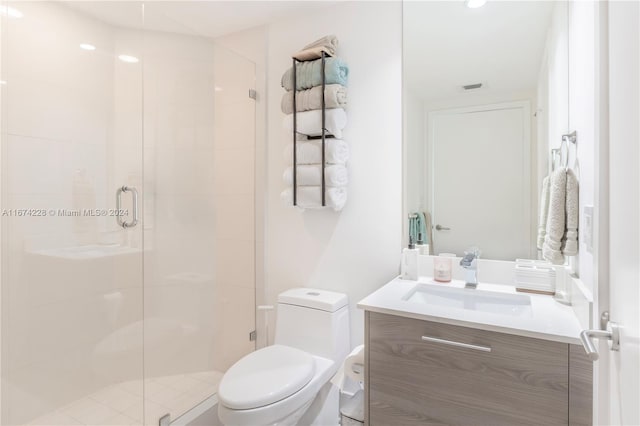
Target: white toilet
{"points": [[289, 383]]}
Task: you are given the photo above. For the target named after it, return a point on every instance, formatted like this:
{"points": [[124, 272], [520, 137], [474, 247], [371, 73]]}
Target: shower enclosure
{"points": [[127, 189]]}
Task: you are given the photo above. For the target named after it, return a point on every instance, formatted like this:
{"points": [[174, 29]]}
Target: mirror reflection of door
{"points": [[495, 82], [480, 186]]}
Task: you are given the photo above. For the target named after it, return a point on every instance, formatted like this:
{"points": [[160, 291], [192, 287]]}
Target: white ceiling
{"points": [[447, 45], [203, 18]]}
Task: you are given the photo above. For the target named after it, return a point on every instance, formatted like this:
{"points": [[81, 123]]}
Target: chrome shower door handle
{"points": [[134, 194], [442, 228]]}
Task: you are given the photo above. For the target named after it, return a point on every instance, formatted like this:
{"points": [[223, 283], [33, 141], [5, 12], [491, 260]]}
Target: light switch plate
{"points": [[587, 228]]}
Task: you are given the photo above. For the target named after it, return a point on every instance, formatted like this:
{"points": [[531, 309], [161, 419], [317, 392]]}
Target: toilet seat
{"points": [[283, 412], [266, 376]]}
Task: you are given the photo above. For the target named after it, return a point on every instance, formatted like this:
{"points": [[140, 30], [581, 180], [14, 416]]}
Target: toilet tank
{"points": [[315, 321]]}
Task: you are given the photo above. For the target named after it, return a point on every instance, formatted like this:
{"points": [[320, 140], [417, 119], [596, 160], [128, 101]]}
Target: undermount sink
{"points": [[469, 299]]}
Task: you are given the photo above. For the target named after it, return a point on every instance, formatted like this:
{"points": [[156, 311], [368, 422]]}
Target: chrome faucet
{"points": [[470, 263]]}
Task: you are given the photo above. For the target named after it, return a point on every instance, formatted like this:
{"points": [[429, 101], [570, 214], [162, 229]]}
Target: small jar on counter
{"points": [[442, 267]]}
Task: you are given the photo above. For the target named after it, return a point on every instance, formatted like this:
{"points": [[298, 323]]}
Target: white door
{"points": [[619, 373], [480, 162]]}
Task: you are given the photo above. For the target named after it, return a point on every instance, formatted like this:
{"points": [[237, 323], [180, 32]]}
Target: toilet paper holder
{"points": [[354, 364]]}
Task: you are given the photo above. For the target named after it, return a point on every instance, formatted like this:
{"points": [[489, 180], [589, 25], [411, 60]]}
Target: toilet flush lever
{"points": [[611, 333]]}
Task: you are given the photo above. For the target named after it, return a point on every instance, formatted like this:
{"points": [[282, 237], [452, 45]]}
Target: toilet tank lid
{"points": [[324, 300]]}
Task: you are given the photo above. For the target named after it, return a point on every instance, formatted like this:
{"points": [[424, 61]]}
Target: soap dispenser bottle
{"points": [[409, 266], [423, 249]]}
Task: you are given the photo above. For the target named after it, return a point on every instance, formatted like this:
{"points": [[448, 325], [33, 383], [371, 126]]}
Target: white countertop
{"points": [[548, 319]]}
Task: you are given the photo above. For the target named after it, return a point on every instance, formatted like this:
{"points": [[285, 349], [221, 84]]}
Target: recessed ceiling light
{"points": [[11, 12], [87, 46], [2, 82], [474, 4], [128, 59], [218, 89]]}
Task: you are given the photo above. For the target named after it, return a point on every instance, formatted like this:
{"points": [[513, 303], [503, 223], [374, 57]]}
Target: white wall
{"points": [[553, 93], [357, 250], [582, 95], [415, 176], [570, 90], [555, 68]]}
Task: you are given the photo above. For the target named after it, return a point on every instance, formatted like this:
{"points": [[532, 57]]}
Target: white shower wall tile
{"points": [[30, 158], [46, 110], [235, 302], [240, 135], [235, 218], [234, 262], [37, 50], [234, 171]]}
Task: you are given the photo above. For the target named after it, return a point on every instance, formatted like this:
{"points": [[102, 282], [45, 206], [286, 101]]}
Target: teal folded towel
{"points": [[417, 227], [308, 74]]}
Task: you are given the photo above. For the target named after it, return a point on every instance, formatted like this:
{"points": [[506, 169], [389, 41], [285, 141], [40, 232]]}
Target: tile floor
{"points": [[122, 404]]}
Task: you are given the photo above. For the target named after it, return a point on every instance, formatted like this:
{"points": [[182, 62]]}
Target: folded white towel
{"points": [[309, 197], [310, 122], [570, 240], [546, 286], [536, 275], [335, 96], [311, 174], [544, 212], [310, 152], [552, 247]]}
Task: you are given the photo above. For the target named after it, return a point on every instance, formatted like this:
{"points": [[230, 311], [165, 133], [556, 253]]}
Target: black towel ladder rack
{"points": [[324, 136]]}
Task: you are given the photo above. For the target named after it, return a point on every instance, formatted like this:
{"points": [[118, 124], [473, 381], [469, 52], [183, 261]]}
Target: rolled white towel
{"points": [[310, 122], [309, 197], [311, 174], [310, 152]]}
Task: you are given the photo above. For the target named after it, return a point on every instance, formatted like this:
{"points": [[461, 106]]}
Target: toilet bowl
{"points": [[288, 383]]}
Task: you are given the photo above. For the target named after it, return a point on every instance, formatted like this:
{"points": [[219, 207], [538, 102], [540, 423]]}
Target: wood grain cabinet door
{"points": [[500, 380]]}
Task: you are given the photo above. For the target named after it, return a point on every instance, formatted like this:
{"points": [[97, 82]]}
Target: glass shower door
{"points": [[112, 319], [199, 149], [72, 267]]}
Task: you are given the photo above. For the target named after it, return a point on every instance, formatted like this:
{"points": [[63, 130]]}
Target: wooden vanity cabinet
{"points": [[417, 375]]}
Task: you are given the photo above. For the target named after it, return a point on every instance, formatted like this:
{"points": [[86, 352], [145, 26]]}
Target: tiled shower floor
{"points": [[121, 404]]}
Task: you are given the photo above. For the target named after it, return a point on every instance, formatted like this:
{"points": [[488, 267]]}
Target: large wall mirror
{"points": [[485, 101]]}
